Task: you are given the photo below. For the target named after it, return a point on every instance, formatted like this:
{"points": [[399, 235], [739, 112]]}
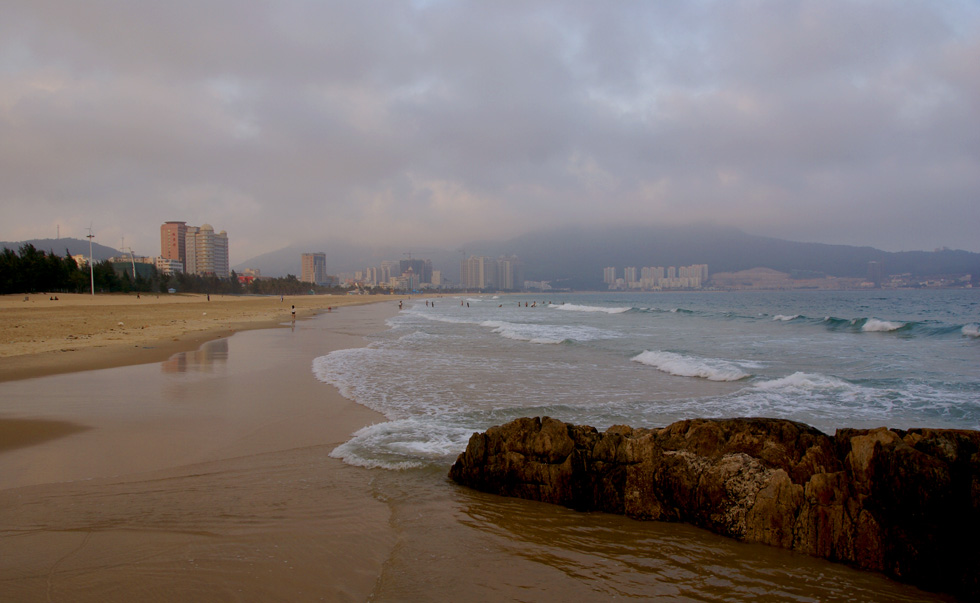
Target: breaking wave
{"points": [[546, 334], [873, 325], [579, 308], [711, 369]]}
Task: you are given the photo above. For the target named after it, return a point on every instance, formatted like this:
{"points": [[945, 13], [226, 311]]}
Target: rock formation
{"points": [[905, 503]]}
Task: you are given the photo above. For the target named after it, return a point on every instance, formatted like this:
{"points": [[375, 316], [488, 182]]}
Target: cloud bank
{"points": [[438, 122]]}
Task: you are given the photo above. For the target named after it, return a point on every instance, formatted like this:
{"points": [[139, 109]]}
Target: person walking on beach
{"points": [[294, 312]]}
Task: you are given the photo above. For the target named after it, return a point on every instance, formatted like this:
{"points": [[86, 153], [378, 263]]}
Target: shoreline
{"points": [[79, 332], [205, 477]]}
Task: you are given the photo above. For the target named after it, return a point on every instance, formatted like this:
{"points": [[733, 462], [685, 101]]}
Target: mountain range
{"points": [[58, 247], [575, 257]]}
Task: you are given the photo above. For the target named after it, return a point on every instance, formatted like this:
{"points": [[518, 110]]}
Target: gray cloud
{"points": [[441, 122]]}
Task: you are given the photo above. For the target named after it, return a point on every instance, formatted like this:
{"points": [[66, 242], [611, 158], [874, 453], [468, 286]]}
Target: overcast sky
{"points": [[433, 123]]}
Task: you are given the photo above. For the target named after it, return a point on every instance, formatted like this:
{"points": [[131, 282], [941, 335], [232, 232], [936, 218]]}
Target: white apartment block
{"points": [[206, 252]]}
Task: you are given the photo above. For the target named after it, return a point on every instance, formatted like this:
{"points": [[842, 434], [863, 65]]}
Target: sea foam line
{"points": [[581, 308], [712, 369], [545, 334]]}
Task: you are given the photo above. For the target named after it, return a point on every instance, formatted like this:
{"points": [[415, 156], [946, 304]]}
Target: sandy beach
{"points": [[203, 477], [44, 336], [196, 467]]}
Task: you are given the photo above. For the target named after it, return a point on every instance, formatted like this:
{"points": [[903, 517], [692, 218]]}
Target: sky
{"points": [[434, 123]]}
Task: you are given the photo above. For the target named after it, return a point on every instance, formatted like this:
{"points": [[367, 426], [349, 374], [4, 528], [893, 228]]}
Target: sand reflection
{"points": [[204, 359]]}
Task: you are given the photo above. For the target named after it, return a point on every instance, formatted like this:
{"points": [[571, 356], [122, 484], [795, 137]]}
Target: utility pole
{"points": [[91, 266]]}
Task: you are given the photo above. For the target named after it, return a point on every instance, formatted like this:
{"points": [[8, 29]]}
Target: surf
{"points": [[712, 369]]}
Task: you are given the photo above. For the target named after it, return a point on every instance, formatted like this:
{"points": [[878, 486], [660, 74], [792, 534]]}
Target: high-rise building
{"points": [[314, 268], [421, 268], [206, 252], [198, 250], [481, 272], [173, 242], [609, 275], [875, 273], [477, 272], [510, 273]]}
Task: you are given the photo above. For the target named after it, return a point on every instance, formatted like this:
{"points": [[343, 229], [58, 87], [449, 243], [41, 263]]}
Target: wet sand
{"points": [[205, 477]]}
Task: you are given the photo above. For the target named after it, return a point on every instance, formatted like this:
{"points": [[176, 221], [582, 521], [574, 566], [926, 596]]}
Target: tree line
{"points": [[30, 270]]}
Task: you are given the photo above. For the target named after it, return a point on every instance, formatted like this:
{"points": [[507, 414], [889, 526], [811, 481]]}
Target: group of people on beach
{"points": [[467, 304]]}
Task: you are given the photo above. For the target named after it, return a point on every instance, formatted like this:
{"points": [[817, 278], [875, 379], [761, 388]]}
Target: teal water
{"points": [[830, 359]]}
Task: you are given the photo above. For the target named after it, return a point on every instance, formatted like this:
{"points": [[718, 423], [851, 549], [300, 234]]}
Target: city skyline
{"points": [[839, 122], [193, 249]]}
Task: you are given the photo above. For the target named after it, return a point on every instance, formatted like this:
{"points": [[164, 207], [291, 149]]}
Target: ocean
{"points": [[440, 372], [448, 367]]}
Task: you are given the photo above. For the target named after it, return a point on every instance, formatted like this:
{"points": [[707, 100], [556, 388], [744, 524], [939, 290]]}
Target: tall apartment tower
{"points": [[206, 253], [609, 275], [314, 269], [172, 242], [510, 273], [477, 272]]}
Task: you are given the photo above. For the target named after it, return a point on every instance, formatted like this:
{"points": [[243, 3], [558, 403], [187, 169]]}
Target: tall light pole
{"points": [[91, 267]]}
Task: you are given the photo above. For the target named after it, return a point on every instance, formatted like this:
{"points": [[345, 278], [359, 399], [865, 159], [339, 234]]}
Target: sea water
{"points": [[448, 367]]}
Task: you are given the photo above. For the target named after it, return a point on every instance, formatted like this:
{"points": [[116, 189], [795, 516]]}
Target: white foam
{"points": [[404, 444], [800, 381], [580, 308], [711, 369], [971, 330], [785, 318], [873, 325], [449, 319], [544, 333], [415, 336]]}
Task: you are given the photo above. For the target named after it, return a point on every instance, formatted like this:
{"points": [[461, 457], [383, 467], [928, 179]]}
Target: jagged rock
{"points": [[905, 503]]}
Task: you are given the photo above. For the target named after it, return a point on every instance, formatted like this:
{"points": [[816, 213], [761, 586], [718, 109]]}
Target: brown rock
{"points": [[906, 503]]}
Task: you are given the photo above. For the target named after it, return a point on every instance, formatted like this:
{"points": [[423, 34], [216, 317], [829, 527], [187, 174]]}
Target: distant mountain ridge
{"points": [[575, 257], [58, 247]]}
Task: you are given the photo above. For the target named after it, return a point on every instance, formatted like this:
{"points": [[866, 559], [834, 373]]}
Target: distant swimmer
{"points": [[399, 304]]}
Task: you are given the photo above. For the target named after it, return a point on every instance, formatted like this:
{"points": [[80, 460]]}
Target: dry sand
{"points": [[40, 336], [205, 477]]}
